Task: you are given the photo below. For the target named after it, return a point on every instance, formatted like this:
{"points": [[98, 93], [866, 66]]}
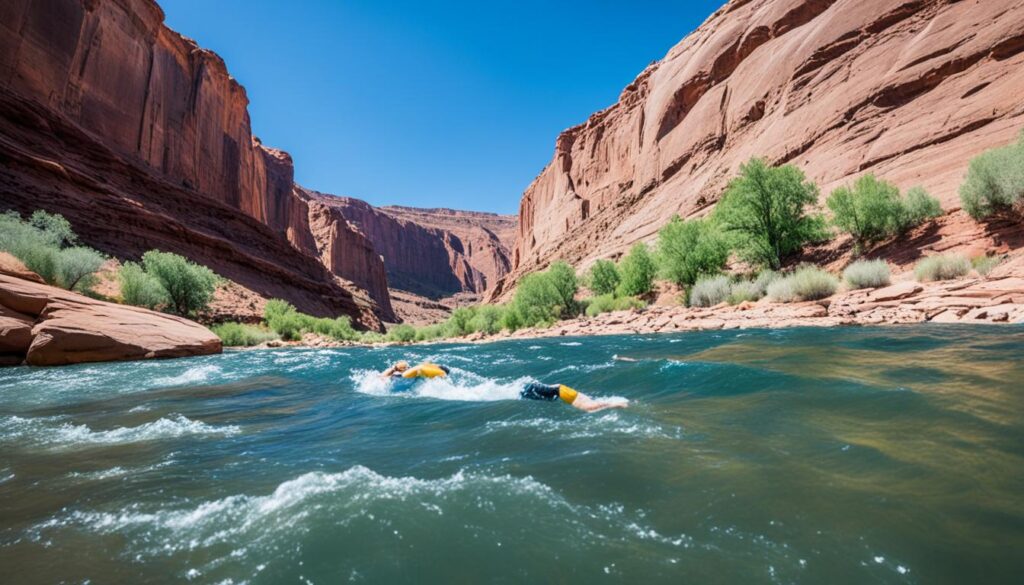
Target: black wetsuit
{"points": [[537, 391]]}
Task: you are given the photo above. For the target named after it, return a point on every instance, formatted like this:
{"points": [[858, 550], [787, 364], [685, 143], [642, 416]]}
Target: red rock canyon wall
{"points": [[906, 89]]}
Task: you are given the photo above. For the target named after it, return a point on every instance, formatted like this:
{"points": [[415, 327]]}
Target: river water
{"points": [[854, 455]]}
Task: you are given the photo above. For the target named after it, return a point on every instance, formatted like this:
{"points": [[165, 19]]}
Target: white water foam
{"points": [[196, 375], [52, 432], [597, 426], [460, 385]]}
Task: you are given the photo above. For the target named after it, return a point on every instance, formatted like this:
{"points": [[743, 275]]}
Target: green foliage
{"points": [[544, 297], [765, 211], [461, 321], [637, 272], [140, 289], [984, 264], [943, 267], [603, 277], [339, 328], [242, 335], [284, 320], [402, 333], [867, 274], [488, 319], [995, 181], [919, 207], [743, 291], [869, 211], [690, 249], [77, 267], [709, 291], [41, 244], [189, 286], [511, 319], [806, 284], [609, 302], [563, 280]]}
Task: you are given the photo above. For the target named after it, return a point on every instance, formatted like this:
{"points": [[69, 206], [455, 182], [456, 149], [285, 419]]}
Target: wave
{"points": [[50, 431], [597, 426], [460, 385], [196, 375]]}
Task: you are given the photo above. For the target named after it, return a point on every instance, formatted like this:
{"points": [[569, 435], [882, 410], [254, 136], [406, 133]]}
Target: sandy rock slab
{"points": [[43, 325]]}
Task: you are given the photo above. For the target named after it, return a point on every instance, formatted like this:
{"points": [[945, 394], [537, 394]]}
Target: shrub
{"points": [[918, 207], [40, 244], [461, 321], [743, 291], [76, 268], [339, 328], [563, 280], [140, 289], [806, 284], [984, 264], [637, 272], [690, 249], [431, 332], [603, 277], [710, 291], [869, 211], [544, 297], [403, 333], [764, 279], [282, 317], [189, 286], [488, 319], [943, 267], [241, 335], [609, 302], [867, 274], [765, 211], [995, 181], [512, 319]]}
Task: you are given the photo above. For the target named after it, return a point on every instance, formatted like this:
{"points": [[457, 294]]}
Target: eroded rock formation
{"points": [[142, 140], [43, 325], [430, 252], [908, 90]]}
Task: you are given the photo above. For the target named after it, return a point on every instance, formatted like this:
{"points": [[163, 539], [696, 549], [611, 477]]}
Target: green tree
{"points": [[189, 286], [76, 268], [637, 270], [765, 211], [564, 282], [140, 289], [918, 207], [536, 301], [603, 277], [690, 249], [869, 211]]}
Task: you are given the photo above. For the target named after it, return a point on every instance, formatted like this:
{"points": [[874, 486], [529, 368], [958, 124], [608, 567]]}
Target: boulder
{"points": [[895, 292], [64, 327], [11, 266]]}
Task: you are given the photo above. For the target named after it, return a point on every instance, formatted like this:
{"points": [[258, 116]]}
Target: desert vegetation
{"points": [[867, 274], [995, 182], [942, 267], [48, 246]]}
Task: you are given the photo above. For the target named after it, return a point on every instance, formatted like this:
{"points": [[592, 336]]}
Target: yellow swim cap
{"points": [[567, 394]]}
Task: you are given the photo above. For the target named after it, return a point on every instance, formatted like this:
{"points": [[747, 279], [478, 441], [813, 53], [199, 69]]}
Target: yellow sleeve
{"points": [[567, 394]]}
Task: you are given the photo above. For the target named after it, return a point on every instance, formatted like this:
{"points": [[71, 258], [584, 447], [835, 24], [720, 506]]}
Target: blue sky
{"points": [[454, 104]]}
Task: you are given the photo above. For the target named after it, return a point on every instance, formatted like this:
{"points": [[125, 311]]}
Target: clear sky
{"points": [[431, 104]]}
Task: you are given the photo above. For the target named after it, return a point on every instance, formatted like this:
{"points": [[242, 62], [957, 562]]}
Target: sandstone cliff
{"points": [[430, 252], [909, 90], [142, 139]]}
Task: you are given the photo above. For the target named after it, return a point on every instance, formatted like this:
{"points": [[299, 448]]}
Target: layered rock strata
{"points": [[908, 90]]}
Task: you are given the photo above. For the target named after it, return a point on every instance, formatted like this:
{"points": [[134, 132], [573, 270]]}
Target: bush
{"points": [[918, 207], [282, 317], [944, 267], [76, 268], [806, 284], [995, 181], [870, 211], [241, 335], [544, 297], [40, 244], [402, 333], [603, 277], [512, 319], [488, 319], [189, 286], [140, 289], [867, 274], [743, 291], [339, 328], [563, 280], [637, 272], [710, 291], [609, 302], [461, 321], [765, 212], [690, 249], [984, 264]]}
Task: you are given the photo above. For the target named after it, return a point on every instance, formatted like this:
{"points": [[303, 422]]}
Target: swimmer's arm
{"points": [[387, 373]]}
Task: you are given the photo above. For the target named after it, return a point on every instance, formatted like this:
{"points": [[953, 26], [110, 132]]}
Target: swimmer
{"points": [[537, 391], [401, 369]]}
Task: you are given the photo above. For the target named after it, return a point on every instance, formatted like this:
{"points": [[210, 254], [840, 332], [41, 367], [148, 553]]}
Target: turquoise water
{"points": [[885, 455]]}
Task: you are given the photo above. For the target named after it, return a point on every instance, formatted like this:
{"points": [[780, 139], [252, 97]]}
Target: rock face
{"points": [[142, 140], [908, 90], [44, 326], [430, 252]]}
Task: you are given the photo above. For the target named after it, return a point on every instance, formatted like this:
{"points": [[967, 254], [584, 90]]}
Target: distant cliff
{"points": [[431, 252], [142, 139], [907, 89]]}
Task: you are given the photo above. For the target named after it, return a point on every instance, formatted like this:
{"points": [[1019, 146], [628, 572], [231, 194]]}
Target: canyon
{"points": [[142, 140], [909, 91]]}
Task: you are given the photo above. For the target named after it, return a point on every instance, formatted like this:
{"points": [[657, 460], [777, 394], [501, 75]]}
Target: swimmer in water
{"points": [[551, 392], [401, 369]]}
